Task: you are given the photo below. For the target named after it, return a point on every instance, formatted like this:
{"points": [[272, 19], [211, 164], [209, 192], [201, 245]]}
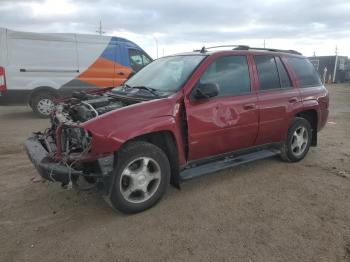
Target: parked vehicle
{"points": [[41, 67], [180, 117]]}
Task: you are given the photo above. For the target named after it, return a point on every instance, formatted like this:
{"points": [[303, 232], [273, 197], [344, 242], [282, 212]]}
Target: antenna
{"points": [[99, 30]]}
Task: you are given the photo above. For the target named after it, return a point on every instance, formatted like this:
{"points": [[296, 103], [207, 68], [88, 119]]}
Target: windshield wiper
{"points": [[149, 89]]}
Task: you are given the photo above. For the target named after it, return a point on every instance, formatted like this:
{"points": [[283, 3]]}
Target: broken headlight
{"points": [[75, 140]]}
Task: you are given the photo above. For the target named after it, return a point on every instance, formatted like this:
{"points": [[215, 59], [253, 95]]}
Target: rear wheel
{"points": [[42, 104], [298, 140], [141, 177]]}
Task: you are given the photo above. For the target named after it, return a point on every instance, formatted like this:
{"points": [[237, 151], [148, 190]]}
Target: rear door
{"points": [[277, 97], [229, 121]]}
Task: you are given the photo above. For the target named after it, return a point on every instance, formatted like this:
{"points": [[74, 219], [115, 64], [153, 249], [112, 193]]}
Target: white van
{"points": [[36, 68]]}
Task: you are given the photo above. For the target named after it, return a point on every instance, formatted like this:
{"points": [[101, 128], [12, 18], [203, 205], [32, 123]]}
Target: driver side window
{"points": [[230, 73]]}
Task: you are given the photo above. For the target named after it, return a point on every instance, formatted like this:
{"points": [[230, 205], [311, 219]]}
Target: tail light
{"points": [[2, 79]]}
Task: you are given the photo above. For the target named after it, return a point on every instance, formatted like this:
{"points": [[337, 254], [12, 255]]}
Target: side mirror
{"points": [[206, 90]]}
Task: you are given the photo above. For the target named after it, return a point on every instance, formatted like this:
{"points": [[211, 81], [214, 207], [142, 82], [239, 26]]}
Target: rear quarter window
{"points": [[305, 72]]}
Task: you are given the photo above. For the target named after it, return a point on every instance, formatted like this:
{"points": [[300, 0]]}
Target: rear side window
{"points": [[267, 71], [272, 73], [284, 77], [305, 71], [231, 73]]}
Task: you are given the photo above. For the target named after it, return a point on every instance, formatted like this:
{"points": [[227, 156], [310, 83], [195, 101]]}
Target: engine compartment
{"points": [[83, 106]]}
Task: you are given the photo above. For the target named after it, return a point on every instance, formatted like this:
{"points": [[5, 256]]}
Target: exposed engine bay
{"points": [[68, 145], [83, 106]]}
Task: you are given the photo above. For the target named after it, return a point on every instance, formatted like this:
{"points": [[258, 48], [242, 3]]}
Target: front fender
{"points": [[111, 130], [111, 142]]}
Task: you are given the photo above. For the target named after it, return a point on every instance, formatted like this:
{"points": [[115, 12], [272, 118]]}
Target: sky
{"points": [[308, 26]]}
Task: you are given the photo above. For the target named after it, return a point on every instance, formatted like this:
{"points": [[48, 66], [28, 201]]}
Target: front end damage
{"points": [[64, 167], [63, 153]]}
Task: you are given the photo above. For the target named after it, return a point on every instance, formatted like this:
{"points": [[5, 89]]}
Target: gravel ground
{"points": [[264, 211]]}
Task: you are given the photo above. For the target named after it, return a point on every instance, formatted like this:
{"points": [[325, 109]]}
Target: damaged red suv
{"points": [[180, 117]]}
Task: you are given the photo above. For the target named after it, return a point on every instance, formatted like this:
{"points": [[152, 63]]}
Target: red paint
{"points": [[3, 87], [216, 125]]}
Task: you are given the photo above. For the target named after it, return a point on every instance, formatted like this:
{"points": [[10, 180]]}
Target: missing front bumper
{"points": [[48, 169]]}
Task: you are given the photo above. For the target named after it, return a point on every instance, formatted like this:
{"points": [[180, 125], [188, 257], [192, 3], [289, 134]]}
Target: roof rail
{"points": [[276, 50], [236, 47], [245, 47]]}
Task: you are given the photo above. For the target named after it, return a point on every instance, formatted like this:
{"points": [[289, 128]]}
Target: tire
{"points": [[42, 104], [298, 141], [140, 179]]}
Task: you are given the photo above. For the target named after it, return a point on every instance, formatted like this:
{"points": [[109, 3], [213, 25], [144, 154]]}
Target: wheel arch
{"points": [[42, 89], [166, 141], [311, 115]]}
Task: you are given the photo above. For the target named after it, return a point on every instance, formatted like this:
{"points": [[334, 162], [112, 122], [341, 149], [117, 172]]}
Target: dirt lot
{"points": [[265, 211]]}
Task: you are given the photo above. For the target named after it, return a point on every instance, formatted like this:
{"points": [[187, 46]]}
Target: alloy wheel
{"points": [[140, 180], [299, 141]]}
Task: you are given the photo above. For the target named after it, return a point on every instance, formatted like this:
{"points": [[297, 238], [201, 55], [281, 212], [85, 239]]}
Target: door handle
{"points": [[120, 73], [249, 106], [293, 100]]}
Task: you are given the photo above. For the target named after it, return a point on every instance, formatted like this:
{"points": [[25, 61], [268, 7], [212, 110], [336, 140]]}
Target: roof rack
{"points": [[245, 47], [277, 50], [236, 47]]}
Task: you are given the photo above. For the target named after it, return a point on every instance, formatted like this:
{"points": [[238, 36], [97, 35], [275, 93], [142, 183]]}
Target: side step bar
{"points": [[211, 167]]}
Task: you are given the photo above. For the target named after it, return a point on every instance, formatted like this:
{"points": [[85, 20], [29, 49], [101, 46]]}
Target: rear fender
{"points": [[313, 105]]}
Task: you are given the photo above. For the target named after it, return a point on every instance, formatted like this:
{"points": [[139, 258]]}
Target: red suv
{"points": [[180, 117]]}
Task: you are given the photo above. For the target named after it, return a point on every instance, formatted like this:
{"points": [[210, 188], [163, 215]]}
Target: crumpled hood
{"points": [[132, 118]]}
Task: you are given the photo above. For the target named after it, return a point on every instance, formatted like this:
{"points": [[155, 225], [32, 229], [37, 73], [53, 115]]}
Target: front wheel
{"points": [[298, 140], [141, 177]]}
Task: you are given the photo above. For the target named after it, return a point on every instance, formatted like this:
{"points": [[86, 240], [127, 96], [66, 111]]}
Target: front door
{"points": [[121, 70], [229, 121]]}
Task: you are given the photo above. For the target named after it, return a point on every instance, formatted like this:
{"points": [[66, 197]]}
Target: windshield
{"points": [[166, 74]]}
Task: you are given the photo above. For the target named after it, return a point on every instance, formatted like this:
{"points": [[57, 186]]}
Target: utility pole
{"points": [[99, 30], [264, 43], [335, 63], [156, 41]]}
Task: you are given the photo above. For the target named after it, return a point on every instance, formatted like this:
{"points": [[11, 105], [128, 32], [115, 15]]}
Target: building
{"points": [[332, 69]]}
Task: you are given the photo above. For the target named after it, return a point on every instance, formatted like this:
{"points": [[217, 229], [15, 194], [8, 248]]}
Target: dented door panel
{"points": [[221, 125]]}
